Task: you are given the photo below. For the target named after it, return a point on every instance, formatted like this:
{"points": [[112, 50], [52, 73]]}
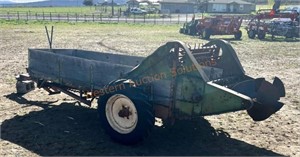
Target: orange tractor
{"points": [[220, 25], [217, 25]]}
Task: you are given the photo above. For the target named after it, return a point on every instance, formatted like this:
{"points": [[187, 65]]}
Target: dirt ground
{"points": [[38, 124]]}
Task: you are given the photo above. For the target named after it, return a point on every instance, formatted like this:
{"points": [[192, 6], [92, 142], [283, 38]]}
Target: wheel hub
{"points": [[121, 113], [125, 112]]}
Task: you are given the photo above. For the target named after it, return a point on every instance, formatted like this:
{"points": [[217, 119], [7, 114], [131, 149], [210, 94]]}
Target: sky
{"points": [[22, 1]]}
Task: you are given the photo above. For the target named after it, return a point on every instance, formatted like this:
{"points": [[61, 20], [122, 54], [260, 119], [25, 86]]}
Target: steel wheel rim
{"points": [[121, 113], [204, 34]]}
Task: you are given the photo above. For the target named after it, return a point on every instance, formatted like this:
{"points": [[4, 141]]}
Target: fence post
{"points": [[58, 16], [8, 15], [84, 17], [18, 16], [144, 18], [43, 16], [178, 19], [26, 16], [76, 17], [186, 17], [118, 18], [50, 16], [126, 19], [155, 19], [36, 16], [101, 17], [163, 20], [68, 17], [133, 18], [93, 17]]}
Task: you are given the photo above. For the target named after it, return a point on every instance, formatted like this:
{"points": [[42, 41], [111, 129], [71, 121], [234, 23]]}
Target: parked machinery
{"points": [[283, 27], [189, 28], [278, 23], [218, 25], [275, 22]]}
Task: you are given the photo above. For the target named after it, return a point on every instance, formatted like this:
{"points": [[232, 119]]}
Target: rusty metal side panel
{"points": [[43, 65], [100, 56], [73, 71], [88, 74]]}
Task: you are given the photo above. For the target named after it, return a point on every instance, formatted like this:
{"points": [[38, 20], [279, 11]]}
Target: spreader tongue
{"points": [[265, 96]]}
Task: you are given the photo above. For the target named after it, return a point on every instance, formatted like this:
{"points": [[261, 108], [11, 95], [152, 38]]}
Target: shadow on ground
{"points": [[72, 130]]}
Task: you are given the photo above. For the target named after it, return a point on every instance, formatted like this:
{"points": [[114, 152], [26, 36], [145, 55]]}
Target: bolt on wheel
{"points": [[121, 113]]}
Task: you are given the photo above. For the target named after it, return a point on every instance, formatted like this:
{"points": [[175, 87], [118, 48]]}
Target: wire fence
{"points": [[96, 17], [99, 17]]}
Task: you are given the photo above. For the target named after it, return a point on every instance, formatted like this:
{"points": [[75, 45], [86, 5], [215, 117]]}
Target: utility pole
{"points": [[112, 7]]}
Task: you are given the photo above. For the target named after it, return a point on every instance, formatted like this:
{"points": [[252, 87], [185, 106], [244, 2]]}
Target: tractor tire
{"points": [[206, 33], [261, 35], [181, 30], [251, 34], [238, 35], [126, 115], [189, 31], [289, 34], [185, 31]]}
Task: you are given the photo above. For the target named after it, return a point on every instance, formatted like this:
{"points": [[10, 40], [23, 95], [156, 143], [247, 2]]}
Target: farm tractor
{"points": [[175, 82], [218, 25], [190, 28], [274, 22]]}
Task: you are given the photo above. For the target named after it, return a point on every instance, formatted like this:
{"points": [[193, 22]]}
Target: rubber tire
{"points": [[261, 35], [185, 31], [189, 31], [289, 34], [238, 35], [206, 33], [251, 34], [181, 30], [145, 122]]}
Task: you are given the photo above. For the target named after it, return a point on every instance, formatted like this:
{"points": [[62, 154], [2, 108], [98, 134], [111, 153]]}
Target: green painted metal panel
{"points": [[189, 94], [219, 99]]}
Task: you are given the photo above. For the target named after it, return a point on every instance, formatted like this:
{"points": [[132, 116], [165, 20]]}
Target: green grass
{"points": [[267, 6], [103, 25], [79, 10]]}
